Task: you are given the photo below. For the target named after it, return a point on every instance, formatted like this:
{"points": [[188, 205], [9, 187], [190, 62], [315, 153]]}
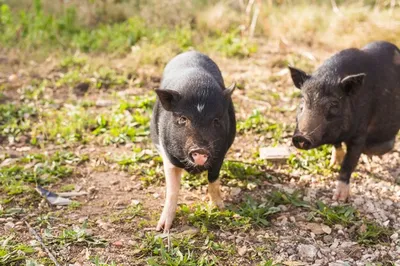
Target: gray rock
{"points": [[307, 252]]}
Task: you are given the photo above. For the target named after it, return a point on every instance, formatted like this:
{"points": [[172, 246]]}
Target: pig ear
{"points": [[228, 91], [168, 98], [298, 76], [351, 83]]}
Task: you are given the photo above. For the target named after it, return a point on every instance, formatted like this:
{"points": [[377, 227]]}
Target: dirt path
{"points": [[272, 217]]}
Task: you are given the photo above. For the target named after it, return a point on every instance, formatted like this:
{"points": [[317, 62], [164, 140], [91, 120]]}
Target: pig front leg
{"points": [[173, 181], [337, 155], [354, 149], [214, 191]]}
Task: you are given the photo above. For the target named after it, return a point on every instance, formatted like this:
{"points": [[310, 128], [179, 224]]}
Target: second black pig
{"points": [[192, 126], [353, 98]]}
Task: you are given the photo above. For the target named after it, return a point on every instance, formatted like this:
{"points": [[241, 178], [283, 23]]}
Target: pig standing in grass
{"points": [[354, 97], [192, 126]]}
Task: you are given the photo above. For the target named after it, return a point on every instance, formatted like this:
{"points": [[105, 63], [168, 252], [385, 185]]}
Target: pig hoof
{"points": [[342, 192], [166, 219], [217, 203], [164, 224]]}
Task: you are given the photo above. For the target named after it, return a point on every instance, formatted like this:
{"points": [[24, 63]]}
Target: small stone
{"points": [[388, 202], [358, 201], [128, 188], [12, 77], [338, 227], [118, 244], [8, 226], [283, 208], [238, 239], [115, 182], [335, 244], [92, 190], [327, 239], [103, 103], [135, 202], [395, 236], [138, 186], [156, 195], [346, 245], [242, 250], [307, 252], [326, 229], [235, 191]]}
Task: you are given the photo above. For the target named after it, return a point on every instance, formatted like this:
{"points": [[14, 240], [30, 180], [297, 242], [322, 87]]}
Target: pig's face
{"points": [[198, 124], [325, 112]]}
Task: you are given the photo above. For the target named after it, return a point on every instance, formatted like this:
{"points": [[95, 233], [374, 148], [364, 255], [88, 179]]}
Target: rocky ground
{"points": [[76, 138]]}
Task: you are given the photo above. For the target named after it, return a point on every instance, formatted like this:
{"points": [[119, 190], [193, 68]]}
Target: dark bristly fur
{"points": [[193, 79], [354, 97]]}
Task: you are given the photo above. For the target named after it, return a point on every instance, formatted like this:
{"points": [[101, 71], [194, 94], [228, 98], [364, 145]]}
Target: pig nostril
{"points": [[199, 154], [301, 142]]}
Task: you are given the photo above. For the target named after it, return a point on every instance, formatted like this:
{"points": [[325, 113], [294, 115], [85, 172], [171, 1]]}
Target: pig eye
{"points": [[333, 110], [182, 120], [216, 122]]}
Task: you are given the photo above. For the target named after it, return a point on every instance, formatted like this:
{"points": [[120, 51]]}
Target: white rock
{"points": [[388, 202], [242, 250], [307, 252], [395, 236], [235, 191]]}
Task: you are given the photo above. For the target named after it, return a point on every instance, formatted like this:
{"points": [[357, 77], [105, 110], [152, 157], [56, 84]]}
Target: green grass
{"points": [[206, 217], [12, 252], [343, 214], [18, 180], [368, 232], [256, 211], [185, 250], [257, 123], [128, 214], [315, 161], [36, 29], [78, 235]]}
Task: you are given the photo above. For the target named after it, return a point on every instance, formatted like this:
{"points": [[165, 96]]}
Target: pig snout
{"points": [[301, 142], [199, 156]]}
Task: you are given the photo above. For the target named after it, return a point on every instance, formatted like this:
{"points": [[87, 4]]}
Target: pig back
{"points": [[194, 62], [384, 80]]}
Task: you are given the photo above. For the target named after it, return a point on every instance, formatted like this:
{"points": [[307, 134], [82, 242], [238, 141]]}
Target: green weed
{"points": [[206, 217], [370, 233], [75, 236], [343, 214], [315, 161], [12, 252], [98, 262], [184, 251], [127, 214], [258, 212], [231, 44]]}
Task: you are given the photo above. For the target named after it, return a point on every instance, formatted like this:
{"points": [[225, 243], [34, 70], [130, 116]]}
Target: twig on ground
{"points": [[169, 241], [38, 238]]}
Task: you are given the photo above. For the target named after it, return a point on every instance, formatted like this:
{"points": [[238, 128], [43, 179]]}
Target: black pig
{"points": [[192, 126], [353, 98]]}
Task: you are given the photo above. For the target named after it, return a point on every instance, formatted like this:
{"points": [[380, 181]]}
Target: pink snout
{"points": [[199, 157]]}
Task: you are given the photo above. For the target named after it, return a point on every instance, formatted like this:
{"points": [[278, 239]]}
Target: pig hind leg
{"points": [[378, 148], [173, 180], [214, 190], [354, 149], [214, 194], [337, 155]]}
